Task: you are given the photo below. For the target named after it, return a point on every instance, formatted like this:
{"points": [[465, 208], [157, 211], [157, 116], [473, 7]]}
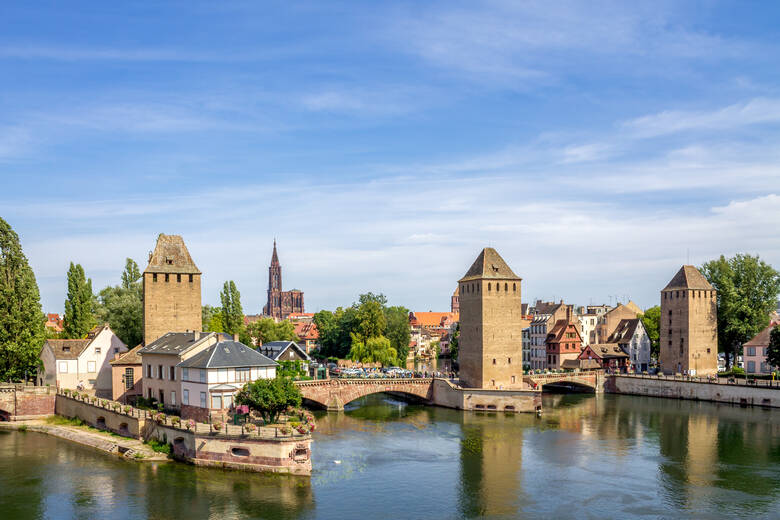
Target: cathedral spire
{"points": [[274, 257]]}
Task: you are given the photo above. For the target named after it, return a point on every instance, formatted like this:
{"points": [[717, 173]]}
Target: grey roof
{"points": [[624, 331], [174, 343], [170, 255], [489, 264], [227, 354], [277, 347]]}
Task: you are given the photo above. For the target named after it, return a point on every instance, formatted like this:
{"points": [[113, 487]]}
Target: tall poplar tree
{"points": [[21, 318], [232, 313], [80, 304]]}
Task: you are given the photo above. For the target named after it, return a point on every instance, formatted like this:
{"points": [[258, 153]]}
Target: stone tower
{"points": [[491, 342], [689, 324], [171, 290]]}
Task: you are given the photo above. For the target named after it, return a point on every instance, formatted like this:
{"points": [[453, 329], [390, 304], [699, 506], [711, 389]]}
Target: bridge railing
{"points": [[733, 381]]}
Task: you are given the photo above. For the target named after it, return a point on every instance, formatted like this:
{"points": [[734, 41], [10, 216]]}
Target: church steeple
{"points": [[274, 256]]}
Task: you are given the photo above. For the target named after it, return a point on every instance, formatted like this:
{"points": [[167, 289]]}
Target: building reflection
{"points": [[491, 456]]}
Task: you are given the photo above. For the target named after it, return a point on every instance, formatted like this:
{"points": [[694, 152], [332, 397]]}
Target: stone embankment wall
{"points": [[19, 402], [448, 395], [290, 455], [699, 391]]}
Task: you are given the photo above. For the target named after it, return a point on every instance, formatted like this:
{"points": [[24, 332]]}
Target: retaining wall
{"points": [[117, 422], [447, 395], [699, 391], [19, 402]]}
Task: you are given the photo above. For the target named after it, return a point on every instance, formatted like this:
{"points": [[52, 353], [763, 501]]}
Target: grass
{"points": [[22, 428], [159, 447], [58, 420]]}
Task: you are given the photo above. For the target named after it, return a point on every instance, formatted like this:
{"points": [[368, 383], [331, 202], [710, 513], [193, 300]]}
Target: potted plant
{"points": [[250, 427], [285, 430], [66, 392], [103, 403], [127, 409], [190, 424], [217, 426], [175, 421], [115, 406]]}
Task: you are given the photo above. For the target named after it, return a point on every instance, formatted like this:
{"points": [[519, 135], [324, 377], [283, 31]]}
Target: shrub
{"points": [[66, 392], [127, 409], [23, 428], [160, 447], [250, 427], [115, 406], [190, 424], [737, 371], [217, 426], [285, 430], [175, 421], [103, 403]]}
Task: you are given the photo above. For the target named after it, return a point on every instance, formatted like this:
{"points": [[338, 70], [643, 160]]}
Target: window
{"points": [[514, 287], [162, 396], [492, 382], [488, 286], [149, 371], [242, 374], [97, 350], [506, 286], [116, 350], [91, 369], [494, 361], [190, 278], [173, 373], [66, 349], [751, 367], [203, 399], [509, 361], [154, 277], [178, 278], [129, 378], [222, 375], [202, 375], [513, 379], [167, 277], [173, 398], [228, 400], [185, 374], [216, 401], [185, 397], [63, 367], [160, 373], [751, 351]]}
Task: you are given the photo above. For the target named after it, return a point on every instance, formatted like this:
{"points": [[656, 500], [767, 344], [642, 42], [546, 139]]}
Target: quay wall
{"points": [[20, 402], [449, 396], [694, 390], [291, 455]]}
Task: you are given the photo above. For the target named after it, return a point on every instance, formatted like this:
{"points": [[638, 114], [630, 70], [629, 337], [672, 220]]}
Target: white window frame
{"points": [[173, 397], [63, 365]]}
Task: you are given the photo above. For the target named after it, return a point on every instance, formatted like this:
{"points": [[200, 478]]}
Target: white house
{"points": [[68, 363], [211, 378], [632, 337], [286, 351]]}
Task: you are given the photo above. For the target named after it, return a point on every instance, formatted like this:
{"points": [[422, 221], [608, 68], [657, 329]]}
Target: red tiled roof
{"points": [[307, 330], [433, 319]]}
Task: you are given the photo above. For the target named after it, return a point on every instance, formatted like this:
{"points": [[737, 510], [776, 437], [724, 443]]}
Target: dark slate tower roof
{"points": [[688, 277], [170, 255], [489, 264]]}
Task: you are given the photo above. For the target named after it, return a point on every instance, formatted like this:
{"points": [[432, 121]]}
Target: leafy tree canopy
{"points": [[22, 321], [270, 397], [773, 350], [211, 318], [651, 319], [266, 330], [375, 349], [122, 307], [80, 304], [232, 313], [747, 293]]}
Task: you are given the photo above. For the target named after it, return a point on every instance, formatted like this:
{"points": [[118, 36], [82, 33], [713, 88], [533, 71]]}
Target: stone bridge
{"points": [[333, 394], [591, 380]]}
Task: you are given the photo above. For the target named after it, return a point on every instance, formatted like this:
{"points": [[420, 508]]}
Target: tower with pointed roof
{"points": [[491, 342], [689, 324], [171, 285], [280, 303]]}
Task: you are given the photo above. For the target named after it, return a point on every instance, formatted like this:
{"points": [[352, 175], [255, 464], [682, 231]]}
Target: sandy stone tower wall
{"points": [[171, 290], [689, 324], [491, 324]]}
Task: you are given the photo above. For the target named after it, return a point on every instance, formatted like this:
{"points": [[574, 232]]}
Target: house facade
{"points": [[211, 378], [609, 356], [631, 336], [70, 363], [280, 351], [126, 376], [563, 343], [754, 352]]}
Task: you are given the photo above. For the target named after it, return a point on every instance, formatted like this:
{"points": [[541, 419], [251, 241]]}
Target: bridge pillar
{"points": [[335, 404]]}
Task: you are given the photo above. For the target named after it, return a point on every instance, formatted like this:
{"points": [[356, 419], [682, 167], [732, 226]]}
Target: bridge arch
{"points": [[333, 394]]}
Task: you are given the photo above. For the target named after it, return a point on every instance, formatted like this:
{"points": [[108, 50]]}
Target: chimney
{"points": [[568, 312], [235, 337], [196, 335]]}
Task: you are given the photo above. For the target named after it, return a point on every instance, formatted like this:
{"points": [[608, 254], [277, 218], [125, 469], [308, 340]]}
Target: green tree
{"points": [[270, 397], [651, 319], [398, 331], [80, 304], [454, 347], [747, 293], [21, 318], [211, 319], [232, 313], [266, 330], [122, 306], [327, 326], [773, 350], [371, 320], [376, 349]]}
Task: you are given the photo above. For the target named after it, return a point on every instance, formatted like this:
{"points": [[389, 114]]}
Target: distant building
{"points": [[211, 378], [491, 324], [563, 343], [587, 323], [607, 355], [308, 335], [68, 363], [285, 351], [455, 302], [126, 376], [547, 315], [689, 331], [171, 285], [280, 303], [54, 322], [631, 336], [754, 351], [526, 348], [608, 321]]}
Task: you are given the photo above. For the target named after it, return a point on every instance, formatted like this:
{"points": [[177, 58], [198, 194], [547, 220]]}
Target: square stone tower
{"points": [[171, 290], [689, 324], [491, 326]]}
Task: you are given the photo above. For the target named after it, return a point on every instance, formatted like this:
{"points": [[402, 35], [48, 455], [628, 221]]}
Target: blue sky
{"points": [[596, 145]]}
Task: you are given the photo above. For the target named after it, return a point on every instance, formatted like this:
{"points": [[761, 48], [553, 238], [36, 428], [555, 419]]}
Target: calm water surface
{"points": [[588, 457]]}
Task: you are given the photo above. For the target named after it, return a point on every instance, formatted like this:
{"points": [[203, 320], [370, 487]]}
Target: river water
{"points": [[587, 457]]}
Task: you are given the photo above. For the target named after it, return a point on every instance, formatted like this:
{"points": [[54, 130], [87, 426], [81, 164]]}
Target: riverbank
{"points": [[128, 449]]}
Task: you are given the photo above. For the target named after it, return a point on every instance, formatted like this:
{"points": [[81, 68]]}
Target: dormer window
{"points": [[168, 260], [66, 349]]}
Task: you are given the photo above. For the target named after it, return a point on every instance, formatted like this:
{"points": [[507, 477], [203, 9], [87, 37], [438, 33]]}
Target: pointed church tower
{"points": [[273, 307], [689, 324], [491, 343]]}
